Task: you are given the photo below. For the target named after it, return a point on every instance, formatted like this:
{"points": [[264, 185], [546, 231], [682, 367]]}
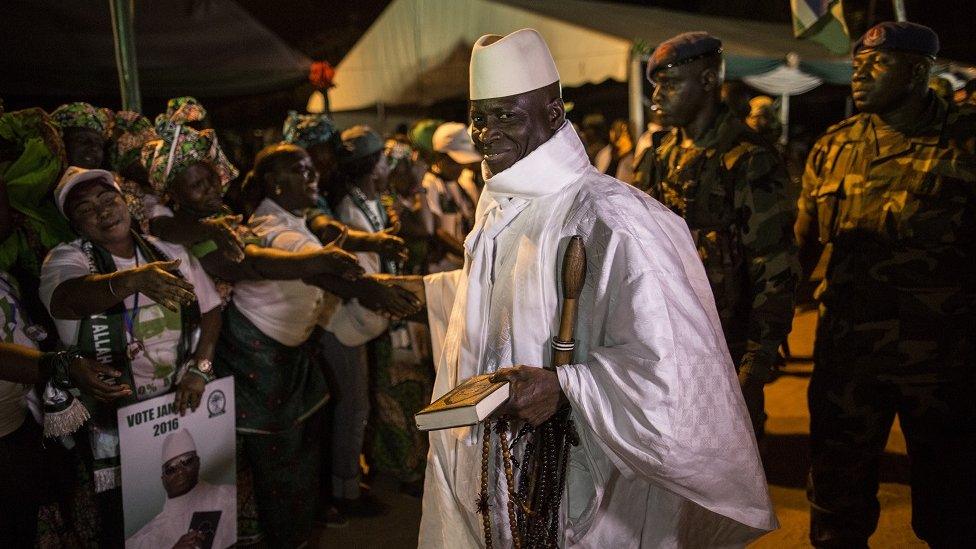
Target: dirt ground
{"points": [[785, 458]]}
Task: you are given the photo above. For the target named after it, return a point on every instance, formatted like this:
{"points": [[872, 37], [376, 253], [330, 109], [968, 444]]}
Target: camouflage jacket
{"points": [[732, 190], [897, 211]]}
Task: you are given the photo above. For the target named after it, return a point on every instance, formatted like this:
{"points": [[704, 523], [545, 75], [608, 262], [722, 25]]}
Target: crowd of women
{"points": [[136, 262]]}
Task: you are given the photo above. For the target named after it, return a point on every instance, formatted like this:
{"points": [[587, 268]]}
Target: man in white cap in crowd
{"points": [[451, 202], [666, 457], [187, 495]]}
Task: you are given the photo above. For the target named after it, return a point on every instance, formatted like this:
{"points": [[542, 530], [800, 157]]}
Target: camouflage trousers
{"points": [[852, 410]]}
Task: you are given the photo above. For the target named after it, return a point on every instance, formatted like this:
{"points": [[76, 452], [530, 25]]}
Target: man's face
{"points": [[680, 93], [181, 474], [198, 188], [85, 148], [506, 129], [882, 79], [98, 212]]}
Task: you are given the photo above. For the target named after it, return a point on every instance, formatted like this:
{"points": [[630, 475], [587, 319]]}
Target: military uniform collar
{"points": [[927, 130], [723, 127]]}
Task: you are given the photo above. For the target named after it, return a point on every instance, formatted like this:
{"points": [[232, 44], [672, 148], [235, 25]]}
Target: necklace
{"points": [[134, 345]]}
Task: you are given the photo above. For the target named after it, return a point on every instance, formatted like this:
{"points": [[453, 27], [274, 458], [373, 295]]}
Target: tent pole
{"points": [[123, 32], [784, 118], [635, 94], [900, 14]]}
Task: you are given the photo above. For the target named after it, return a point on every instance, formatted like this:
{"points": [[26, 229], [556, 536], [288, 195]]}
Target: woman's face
{"points": [[198, 189], [402, 179], [84, 148], [294, 182], [98, 212]]}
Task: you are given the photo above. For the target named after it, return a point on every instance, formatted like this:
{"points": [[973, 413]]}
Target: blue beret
{"points": [[682, 49], [900, 36]]}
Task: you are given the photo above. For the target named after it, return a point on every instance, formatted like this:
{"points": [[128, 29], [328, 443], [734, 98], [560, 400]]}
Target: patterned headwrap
{"points": [[130, 131], [179, 149], [83, 116], [179, 112], [306, 130]]}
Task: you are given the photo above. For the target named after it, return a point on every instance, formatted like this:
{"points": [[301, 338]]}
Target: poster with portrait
{"points": [[179, 472]]}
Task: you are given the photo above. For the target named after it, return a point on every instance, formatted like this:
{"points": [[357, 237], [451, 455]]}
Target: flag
{"points": [[823, 22]]}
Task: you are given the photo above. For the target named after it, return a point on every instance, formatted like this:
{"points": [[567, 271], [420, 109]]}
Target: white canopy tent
{"points": [[417, 51]]}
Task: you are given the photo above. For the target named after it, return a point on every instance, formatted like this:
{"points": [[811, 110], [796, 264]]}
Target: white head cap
{"points": [[453, 138], [510, 65], [177, 444], [75, 176]]}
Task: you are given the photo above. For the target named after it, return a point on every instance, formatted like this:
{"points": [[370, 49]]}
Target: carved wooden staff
{"points": [[552, 439]]}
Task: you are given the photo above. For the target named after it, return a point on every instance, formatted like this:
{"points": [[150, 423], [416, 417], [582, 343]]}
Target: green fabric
{"points": [[829, 30], [738, 67], [30, 178], [285, 467], [833, 72], [276, 386], [201, 249], [400, 390]]}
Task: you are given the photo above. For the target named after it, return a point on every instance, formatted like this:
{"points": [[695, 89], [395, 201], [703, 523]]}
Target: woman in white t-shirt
{"points": [[266, 326], [137, 304]]}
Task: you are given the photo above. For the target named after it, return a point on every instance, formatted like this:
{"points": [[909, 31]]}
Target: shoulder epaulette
{"points": [[846, 123]]}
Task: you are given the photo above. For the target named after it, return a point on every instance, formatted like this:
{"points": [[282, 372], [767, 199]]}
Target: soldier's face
{"points": [[506, 129], [181, 474], [679, 93], [882, 80]]}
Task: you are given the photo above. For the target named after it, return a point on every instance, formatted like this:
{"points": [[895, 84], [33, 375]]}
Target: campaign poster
{"points": [[179, 472]]}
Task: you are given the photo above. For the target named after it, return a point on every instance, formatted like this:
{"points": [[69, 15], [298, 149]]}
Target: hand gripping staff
{"points": [[533, 509]]}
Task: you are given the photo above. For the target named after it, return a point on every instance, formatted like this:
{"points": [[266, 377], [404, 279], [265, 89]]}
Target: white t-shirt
{"points": [[155, 326], [351, 215], [13, 396], [449, 203], [284, 310]]}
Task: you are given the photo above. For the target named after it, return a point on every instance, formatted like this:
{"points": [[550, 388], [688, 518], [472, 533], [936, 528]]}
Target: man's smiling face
{"points": [[506, 129]]}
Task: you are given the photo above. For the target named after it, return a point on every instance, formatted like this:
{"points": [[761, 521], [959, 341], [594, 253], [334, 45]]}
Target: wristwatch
{"points": [[202, 368]]}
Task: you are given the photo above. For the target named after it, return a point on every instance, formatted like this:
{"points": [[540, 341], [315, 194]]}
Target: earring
{"points": [[277, 190]]}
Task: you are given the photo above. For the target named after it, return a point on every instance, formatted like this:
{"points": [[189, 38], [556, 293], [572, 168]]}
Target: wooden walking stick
{"points": [[552, 439]]}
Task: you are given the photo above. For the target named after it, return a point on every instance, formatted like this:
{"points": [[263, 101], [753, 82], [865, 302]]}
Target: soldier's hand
{"points": [[534, 393]]}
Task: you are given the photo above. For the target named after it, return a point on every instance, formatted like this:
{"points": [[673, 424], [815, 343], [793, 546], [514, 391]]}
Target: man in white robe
{"points": [[667, 455]]}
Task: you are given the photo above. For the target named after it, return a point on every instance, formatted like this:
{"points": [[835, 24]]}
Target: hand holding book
{"points": [[534, 394]]}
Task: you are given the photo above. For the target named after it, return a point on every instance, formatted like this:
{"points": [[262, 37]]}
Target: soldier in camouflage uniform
{"points": [[730, 186], [890, 192]]}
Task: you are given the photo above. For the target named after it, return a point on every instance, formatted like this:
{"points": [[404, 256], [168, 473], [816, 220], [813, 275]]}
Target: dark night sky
{"points": [[336, 26]]}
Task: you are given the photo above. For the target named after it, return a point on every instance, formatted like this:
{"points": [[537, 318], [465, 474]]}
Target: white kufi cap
{"points": [[177, 444], [510, 65]]}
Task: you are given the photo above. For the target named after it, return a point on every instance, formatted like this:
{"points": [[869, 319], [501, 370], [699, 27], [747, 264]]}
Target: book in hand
{"points": [[466, 404]]}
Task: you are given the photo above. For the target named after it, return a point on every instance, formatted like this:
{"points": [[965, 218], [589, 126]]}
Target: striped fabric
{"points": [[823, 22]]}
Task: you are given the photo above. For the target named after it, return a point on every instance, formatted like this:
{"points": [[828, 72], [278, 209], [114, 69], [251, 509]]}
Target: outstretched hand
{"points": [[534, 393], [340, 263], [156, 281], [221, 231], [388, 298], [390, 246], [90, 376]]}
